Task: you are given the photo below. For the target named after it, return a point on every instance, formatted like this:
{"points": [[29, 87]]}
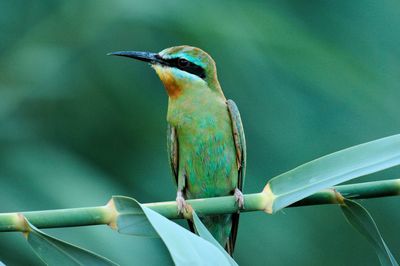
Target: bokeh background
{"points": [[76, 126]]}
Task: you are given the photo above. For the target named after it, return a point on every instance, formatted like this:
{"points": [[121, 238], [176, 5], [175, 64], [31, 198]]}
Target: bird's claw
{"points": [[180, 202], [239, 198]]}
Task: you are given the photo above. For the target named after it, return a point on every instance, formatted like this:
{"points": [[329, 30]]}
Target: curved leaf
{"points": [[363, 222], [184, 247], [332, 169], [56, 252], [205, 234], [131, 219]]}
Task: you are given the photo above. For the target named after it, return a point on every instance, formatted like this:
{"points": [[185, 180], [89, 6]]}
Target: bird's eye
{"points": [[183, 62]]}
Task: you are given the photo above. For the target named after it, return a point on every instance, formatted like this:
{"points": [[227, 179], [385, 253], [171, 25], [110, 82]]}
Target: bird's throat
{"points": [[171, 84]]}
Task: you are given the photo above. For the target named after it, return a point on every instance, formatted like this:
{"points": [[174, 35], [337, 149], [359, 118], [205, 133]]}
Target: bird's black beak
{"points": [[151, 58]]}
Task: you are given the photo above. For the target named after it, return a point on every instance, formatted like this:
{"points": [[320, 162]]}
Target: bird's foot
{"points": [[183, 208], [180, 202], [239, 198]]}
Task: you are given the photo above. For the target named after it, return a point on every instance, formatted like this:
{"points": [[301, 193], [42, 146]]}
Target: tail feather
{"points": [[191, 227], [232, 237]]}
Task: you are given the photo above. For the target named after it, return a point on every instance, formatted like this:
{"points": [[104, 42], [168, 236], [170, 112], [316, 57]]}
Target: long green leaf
{"points": [[332, 169], [56, 252], [185, 248], [131, 219], [363, 222], [205, 234]]}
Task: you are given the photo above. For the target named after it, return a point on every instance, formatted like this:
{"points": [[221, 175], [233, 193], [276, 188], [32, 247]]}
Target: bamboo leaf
{"points": [[56, 252], [131, 219], [185, 248], [363, 222], [332, 169], [205, 234]]}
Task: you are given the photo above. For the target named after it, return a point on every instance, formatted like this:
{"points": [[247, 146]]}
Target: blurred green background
{"points": [[76, 126]]}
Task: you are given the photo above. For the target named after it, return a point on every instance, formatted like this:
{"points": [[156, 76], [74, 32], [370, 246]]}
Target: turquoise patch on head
{"points": [[194, 60]]}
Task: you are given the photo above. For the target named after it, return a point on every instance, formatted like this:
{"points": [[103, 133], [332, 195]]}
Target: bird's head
{"points": [[180, 68]]}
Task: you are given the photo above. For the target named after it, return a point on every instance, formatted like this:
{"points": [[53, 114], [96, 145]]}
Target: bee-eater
{"points": [[206, 143]]}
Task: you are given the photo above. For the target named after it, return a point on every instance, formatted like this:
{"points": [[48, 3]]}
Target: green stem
{"points": [[375, 189], [57, 218], [253, 202], [211, 206]]}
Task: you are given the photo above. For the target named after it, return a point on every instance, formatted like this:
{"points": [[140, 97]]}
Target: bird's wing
{"points": [[173, 157], [172, 146], [240, 145], [240, 141]]}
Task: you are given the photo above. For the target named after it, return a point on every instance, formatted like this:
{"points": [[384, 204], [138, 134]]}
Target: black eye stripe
{"points": [[186, 66]]}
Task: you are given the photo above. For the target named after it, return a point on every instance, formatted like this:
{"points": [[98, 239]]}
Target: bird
{"points": [[205, 137]]}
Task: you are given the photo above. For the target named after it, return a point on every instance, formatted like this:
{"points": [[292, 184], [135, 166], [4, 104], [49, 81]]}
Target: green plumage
{"points": [[204, 153], [207, 154]]}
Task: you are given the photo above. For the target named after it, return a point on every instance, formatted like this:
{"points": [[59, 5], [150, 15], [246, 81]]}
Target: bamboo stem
{"points": [[57, 218], [253, 202], [367, 190]]}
